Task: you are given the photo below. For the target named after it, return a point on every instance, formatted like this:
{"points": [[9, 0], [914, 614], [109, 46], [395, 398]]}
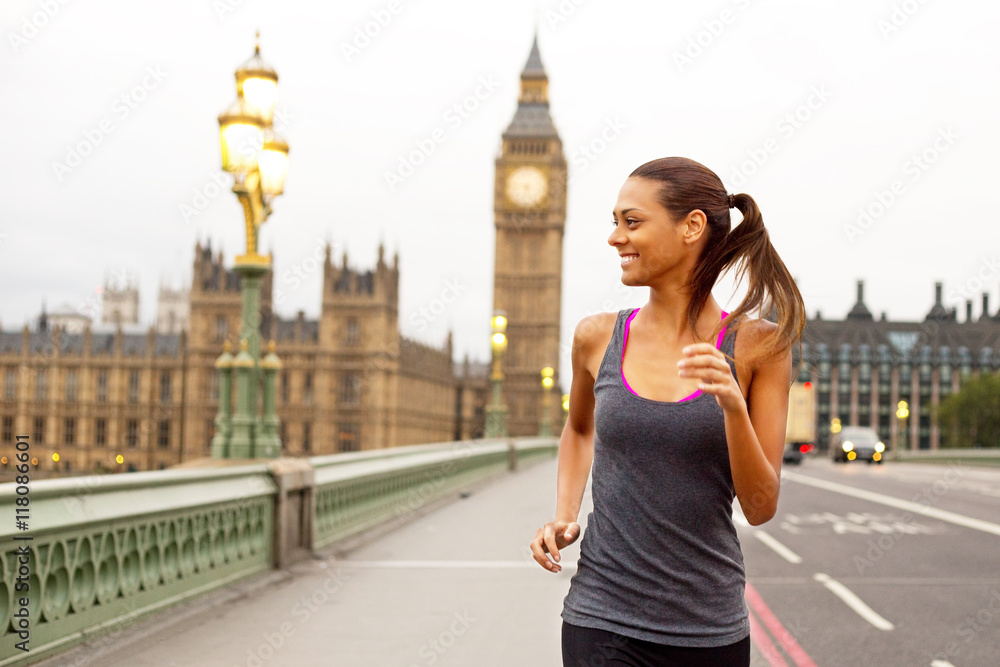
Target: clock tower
{"points": [[530, 214]]}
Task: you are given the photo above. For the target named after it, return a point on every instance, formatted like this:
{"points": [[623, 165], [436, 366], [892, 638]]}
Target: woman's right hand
{"points": [[550, 538]]}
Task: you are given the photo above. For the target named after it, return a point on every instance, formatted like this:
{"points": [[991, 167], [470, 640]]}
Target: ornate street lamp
{"points": [[902, 412], [258, 160], [496, 413], [545, 429]]}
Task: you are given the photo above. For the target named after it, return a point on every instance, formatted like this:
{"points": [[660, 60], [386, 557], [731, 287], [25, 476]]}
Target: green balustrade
{"points": [[106, 550]]}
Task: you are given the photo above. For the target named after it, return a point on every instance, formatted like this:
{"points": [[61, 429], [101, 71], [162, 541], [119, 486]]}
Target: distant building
{"points": [[173, 310], [68, 319], [862, 367], [119, 302], [349, 380]]}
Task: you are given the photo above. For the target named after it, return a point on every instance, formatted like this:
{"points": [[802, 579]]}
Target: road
{"points": [[897, 564], [893, 565]]}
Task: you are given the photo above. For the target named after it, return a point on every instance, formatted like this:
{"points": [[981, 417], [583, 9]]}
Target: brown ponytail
{"points": [[687, 185]]}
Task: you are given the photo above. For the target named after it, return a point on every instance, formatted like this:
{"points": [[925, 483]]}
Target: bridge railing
{"points": [[101, 551]]}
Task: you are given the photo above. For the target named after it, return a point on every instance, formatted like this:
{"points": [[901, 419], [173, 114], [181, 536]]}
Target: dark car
{"points": [[794, 452], [856, 443]]}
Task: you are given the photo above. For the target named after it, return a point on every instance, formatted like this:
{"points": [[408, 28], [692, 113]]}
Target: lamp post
{"points": [[496, 413], [902, 412], [258, 160], [545, 428]]}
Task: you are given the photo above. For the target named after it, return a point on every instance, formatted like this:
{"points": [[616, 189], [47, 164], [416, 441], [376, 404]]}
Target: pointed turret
{"points": [[860, 310], [532, 117]]}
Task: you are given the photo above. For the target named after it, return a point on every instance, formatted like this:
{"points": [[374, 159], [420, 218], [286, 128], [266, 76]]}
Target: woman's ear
{"points": [[695, 224]]}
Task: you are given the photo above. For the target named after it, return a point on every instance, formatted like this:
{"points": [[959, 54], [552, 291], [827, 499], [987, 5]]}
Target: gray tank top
{"points": [[660, 559]]}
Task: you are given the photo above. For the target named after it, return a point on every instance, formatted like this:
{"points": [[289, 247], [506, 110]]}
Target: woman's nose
{"points": [[616, 237]]}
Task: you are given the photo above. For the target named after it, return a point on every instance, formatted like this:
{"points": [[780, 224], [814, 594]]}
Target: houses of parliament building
{"points": [[349, 380]]}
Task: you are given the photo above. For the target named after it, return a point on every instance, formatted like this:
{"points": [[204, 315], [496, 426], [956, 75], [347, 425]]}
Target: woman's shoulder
{"points": [[754, 342], [595, 330]]}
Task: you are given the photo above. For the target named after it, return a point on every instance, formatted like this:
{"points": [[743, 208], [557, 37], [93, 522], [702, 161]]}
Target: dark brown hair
{"points": [[686, 185]]}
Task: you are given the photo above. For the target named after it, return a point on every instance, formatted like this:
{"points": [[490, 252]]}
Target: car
{"points": [[795, 450], [857, 443]]}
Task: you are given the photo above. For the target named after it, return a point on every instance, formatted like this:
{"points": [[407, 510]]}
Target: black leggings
{"points": [[590, 647]]}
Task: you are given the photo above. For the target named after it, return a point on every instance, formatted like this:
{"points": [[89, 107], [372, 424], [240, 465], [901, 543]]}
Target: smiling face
{"points": [[654, 246]]}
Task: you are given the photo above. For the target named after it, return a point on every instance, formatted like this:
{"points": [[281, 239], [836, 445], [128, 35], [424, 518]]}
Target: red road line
{"points": [[784, 637], [760, 639]]}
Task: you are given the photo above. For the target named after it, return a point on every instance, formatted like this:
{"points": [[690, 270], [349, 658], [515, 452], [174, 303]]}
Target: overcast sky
{"points": [[816, 109]]}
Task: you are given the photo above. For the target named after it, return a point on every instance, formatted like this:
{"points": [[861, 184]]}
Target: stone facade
{"points": [[350, 381], [862, 367]]}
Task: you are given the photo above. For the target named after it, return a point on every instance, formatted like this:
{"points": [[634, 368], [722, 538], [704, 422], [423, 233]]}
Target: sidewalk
{"points": [[456, 587]]}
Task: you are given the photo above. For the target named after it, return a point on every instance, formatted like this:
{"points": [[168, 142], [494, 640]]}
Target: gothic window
{"points": [[350, 389], [307, 388], [306, 437], [163, 434], [352, 334], [70, 385], [69, 431], [349, 438], [100, 432], [102, 386], [165, 387], [41, 385], [10, 384], [133, 387], [220, 328], [132, 433]]}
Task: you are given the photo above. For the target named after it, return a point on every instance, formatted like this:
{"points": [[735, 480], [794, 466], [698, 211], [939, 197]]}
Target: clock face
{"points": [[526, 186]]}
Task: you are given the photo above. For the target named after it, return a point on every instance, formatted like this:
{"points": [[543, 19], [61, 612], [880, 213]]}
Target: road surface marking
{"points": [[916, 508], [759, 638], [853, 601], [778, 547], [783, 636], [444, 564], [941, 663]]}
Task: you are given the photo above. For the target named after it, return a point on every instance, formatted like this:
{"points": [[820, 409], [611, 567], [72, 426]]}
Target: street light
{"points": [[258, 160], [496, 414], [545, 429], [902, 412]]}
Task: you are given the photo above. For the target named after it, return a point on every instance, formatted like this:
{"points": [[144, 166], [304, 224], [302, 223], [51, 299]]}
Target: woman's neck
{"points": [[667, 313]]}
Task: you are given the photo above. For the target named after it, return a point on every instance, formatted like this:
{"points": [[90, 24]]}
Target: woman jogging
{"points": [[677, 415]]}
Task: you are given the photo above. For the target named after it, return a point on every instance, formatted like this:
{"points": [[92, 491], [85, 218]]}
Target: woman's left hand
{"points": [[705, 362]]}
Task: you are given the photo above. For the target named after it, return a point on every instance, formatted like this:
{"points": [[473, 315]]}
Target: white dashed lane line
{"points": [[778, 547], [853, 601]]}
